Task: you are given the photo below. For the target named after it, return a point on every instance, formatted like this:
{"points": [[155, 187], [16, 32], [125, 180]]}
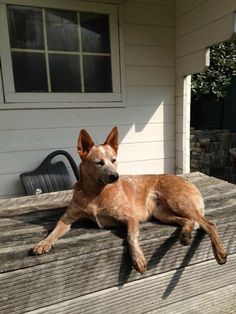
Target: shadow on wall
{"points": [[146, 136]]}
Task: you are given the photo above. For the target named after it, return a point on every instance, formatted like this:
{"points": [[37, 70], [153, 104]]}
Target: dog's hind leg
{"points": [[136, 253], [209, 227], [217, 245], [166, 215]]}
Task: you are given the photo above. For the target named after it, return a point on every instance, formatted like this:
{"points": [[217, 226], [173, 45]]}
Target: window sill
{"points": [[62, 105]]}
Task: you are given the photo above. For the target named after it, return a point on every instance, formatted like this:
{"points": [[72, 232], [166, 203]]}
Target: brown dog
{"points": [[102, 196]]}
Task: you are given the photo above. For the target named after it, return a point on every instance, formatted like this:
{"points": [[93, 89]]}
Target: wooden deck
{"points": [[89, 270]]}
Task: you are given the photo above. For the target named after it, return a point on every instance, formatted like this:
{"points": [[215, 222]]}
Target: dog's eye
{"points": [[99, 162], [113, 160]]}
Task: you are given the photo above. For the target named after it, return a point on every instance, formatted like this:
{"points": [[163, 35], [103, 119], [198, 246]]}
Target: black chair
{"points": [[49, 177]]}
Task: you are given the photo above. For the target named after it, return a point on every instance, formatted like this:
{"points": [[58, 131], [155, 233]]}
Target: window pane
{"points": [[29, 72], [64, 73], [97, 74], [62, 33], [95, 32], [25, 27]]}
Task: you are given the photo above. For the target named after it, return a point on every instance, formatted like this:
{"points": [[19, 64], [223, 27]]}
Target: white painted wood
{"points": [[10, 185], [161, 165], [206, 36], [121, 29], [149, 95], [150, 76], [108, 1], [192, 63], [6, 63], [68, 4], [75, 118], [135, 95], [115, 53], [208, 11], [179, 107], [234, 22], [183, 127], [163, 2], [150, 56], [28, 160], [149, 14], [184, 6], [146, 151], [57, 105], [1, 87], [54, 100], [179, 142], [149, 35], [41, 139], [179, 87]]}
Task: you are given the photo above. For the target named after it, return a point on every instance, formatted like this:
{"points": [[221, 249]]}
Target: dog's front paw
{"points": [[42, 247], [140, 263]]}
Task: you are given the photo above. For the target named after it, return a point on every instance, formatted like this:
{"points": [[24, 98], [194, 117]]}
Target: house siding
{"points": [[199, 25], [146, 124]]}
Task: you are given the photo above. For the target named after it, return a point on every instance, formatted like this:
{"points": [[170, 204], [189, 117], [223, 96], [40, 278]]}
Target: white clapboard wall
{"points": [[146, 123]]}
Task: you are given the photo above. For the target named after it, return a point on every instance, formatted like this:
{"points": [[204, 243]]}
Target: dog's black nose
{"points": [[113, 177]]}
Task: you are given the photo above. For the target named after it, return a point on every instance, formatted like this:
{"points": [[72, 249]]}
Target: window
{"points": [[62, 54]]}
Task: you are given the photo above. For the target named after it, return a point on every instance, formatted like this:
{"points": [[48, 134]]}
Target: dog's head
{"points": [[99, 161]]}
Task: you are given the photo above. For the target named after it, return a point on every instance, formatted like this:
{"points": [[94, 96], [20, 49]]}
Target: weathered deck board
{"points": [[89, 270], [153, 292]]}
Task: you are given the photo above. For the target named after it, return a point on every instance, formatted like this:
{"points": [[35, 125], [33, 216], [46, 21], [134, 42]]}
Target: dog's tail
{"points": [[217, 245]]}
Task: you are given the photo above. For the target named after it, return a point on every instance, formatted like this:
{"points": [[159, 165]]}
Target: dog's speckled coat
{"points": [[103, 196]]}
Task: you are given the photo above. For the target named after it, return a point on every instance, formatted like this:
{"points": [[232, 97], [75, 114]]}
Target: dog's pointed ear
{"points": [[112, 139], [85, 143]]}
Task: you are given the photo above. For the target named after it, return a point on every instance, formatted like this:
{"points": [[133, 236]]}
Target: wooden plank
{"points": [[141, 95], [10, 185], [147, 110], [149, 14], [14, 206], [183, 6], [37, 139], [151, 293], [218, 301], [28, 160], [52, 276], [1, 87], [161, 165], [149, 56], [150, 76], [209, 11], [147, 35], [163, 2], [89, 269], [14, 247], [192, 63], [205, 36]]}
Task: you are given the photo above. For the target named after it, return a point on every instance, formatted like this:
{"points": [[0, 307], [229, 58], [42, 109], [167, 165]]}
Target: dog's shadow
{"points": [[155, 260], [179, 271]]}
